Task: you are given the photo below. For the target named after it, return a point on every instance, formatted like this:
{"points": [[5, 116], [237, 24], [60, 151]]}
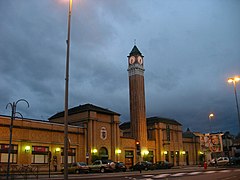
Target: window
{"points": [[168, 132], [71, 155], [4, 153], [150, 156], [40, 154], [96, 163], [176, 136], [128, 154], [150, 134]]}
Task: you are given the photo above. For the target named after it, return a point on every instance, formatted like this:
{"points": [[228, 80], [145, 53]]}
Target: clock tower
{"points": [[137, 97]]}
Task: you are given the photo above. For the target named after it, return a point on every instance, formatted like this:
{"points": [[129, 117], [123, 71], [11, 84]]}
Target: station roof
{"points": [[83, 108]]}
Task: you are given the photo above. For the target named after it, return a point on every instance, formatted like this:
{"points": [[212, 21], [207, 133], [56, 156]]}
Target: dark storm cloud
{"points": [[190, 49]]}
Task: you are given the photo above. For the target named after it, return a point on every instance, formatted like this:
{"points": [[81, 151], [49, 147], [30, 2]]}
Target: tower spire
{"points": [[135, 51]]}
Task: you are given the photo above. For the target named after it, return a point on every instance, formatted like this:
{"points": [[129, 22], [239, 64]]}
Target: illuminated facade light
{"points": [[94, 151], [118, 151], [145, 152], [27, 148]]}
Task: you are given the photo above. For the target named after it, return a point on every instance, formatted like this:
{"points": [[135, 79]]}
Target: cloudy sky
{"points": [[190, 48]]}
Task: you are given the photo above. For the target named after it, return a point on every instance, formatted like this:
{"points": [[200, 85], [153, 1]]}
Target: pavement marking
{"points": [[209, 172], [151, 177], [226, 170], [178, 174], [194, 173], [161, 176], [148, 175]]}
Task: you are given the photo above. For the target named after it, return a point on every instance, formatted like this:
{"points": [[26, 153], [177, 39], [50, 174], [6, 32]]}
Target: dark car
{"points": [[234, 161], [163, 165], [120, 167], [77, 167], [143, 165]]}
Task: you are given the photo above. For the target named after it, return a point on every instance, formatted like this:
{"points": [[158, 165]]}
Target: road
{"points": [[187, 173]]}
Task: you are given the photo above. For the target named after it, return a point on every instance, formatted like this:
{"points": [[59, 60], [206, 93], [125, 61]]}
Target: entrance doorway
{"points": [[103, 153], [187, 158], [177, 158], [129, 158], [172, 157]]}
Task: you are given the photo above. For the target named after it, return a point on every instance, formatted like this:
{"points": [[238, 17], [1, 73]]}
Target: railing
{"points": [[21, 171]]}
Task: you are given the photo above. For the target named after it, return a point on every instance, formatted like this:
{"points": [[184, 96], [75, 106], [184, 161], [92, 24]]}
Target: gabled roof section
{"points": [[125, 125], [153, 120], [188, 134], [83, 108], [135, 51]]}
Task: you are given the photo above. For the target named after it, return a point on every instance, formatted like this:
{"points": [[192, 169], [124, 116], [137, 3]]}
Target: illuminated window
{"points": [[71, 155], [4, 153], [40, 154]]}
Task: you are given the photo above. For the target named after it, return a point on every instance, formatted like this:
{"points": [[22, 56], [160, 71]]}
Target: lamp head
{"points": [[211, 116], [234, 79], [27, 148], [57, 149]]}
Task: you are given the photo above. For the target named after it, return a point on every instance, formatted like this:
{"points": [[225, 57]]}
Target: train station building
{"points": [[96, 133]]}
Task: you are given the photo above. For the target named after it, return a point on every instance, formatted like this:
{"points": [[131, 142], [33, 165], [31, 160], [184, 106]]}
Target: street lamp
{"points": [[210, 117], [66, 96], [13, 115], [234, 80]]}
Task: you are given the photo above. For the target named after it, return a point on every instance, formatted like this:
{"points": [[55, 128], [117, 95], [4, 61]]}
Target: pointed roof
{"points": [[135, 51], [83, 108]]}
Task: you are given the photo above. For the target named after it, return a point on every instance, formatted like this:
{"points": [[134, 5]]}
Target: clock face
{"points": [[140, 60], [131, 60]]}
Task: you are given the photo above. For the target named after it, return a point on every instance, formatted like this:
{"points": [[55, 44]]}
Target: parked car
{"points": [[120, 166], [143, 165], [77, 167], [102, 166], [221, 161], [163, 165], [234, 161]]}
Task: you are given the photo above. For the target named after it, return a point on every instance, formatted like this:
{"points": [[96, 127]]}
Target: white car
{"points": [[221, 161]]}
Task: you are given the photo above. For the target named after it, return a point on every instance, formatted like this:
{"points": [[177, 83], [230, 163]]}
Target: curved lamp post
{"points": [[234, 80], [13, 115]]}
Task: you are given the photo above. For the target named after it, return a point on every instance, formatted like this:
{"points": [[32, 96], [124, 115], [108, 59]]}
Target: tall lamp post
{"points": [[66, 95], [234, 80], [210, 117]]}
